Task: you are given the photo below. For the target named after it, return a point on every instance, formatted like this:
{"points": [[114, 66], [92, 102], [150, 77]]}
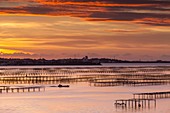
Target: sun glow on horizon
{"points": [[9, 51], [97, 28]]}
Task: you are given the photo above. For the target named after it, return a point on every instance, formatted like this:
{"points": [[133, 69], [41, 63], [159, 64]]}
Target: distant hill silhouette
{"points": [[84, 61]]}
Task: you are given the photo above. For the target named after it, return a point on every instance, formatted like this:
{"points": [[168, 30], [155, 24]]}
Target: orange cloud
{"points": [[155, 21], [94, 3], [97, 10], [101, 27]]}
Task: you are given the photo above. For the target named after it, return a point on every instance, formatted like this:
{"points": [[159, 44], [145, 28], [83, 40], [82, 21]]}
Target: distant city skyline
{"points": [[53, 29]]}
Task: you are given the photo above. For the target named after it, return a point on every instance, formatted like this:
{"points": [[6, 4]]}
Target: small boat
{"points": [[63, 85]]}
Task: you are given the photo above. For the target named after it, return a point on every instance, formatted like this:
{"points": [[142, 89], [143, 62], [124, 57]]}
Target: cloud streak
{"points": [[100, 28], [95, 10]]}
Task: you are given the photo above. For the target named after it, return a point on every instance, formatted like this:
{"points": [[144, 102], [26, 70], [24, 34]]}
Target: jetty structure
{"points": [[142, 99], [95, 76], [152, 95], [135, 103], [9, 89]]}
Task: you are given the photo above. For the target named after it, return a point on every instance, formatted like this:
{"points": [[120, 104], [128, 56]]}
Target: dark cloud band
{"points": [[158, 11]]}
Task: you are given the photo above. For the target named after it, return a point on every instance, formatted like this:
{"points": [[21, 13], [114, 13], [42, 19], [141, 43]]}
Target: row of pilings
{"points": [[9, 89], [142, 100]]}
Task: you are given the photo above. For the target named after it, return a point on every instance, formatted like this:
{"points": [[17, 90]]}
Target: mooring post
{"points": [[149, 103]]}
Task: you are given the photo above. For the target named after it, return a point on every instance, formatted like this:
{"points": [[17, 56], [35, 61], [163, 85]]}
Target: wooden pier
{"points": [[4, 87], [8, 89], [142, 99], [152, 95], [44, 79], [130, 82], [96, 76], [135, 103]]}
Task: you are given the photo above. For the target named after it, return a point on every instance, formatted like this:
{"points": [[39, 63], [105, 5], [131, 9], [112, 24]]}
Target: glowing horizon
{"points": [[49, 29]]}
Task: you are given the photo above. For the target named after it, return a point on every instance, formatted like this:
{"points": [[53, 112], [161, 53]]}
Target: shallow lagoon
{"points": [[80, 97]]}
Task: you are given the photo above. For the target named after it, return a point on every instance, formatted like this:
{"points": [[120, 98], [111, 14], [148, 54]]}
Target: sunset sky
{"points": [[52, 29]]}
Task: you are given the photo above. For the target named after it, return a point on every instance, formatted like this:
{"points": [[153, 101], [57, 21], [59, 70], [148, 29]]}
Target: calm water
{"points": [[103, 65], [79, 98]]}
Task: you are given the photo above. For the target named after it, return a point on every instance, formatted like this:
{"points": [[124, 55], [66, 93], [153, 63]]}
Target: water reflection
{"points": [[92, 89]]}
